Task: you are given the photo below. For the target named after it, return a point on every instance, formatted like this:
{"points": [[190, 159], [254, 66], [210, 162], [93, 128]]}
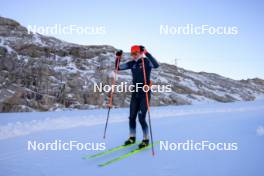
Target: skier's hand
{"points": [[119, 53], [143, 49]]}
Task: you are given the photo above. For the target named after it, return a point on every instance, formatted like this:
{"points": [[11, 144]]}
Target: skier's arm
{"points": [[124, 66], [153, 62]]}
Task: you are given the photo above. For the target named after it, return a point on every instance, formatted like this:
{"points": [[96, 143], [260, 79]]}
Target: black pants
{"points": [[138, 106]]}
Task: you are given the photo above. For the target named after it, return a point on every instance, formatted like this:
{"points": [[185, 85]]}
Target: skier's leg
{"points": [[142, 115], [134, 107]]}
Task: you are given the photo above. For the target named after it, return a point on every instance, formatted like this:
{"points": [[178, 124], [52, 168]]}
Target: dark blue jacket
{"points": [[137, 68]]}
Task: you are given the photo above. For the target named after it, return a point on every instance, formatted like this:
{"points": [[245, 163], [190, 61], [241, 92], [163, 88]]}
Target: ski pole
{"points": [[111, 95], [147, 102]]}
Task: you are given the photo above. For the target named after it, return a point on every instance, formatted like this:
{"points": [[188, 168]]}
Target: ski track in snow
{"points": [[239, 122], [46, 122]]}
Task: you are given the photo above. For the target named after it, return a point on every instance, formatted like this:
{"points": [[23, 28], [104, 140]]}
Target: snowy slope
{"points": [[240, 122]]}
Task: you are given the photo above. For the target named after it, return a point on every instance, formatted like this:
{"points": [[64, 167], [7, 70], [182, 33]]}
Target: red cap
{"points": [[135, 48]]}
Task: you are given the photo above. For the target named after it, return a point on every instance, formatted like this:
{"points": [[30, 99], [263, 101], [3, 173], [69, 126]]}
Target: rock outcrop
{"points": [[39, 73]]}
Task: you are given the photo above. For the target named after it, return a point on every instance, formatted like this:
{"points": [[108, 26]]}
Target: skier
{"points": [[138, 106]]}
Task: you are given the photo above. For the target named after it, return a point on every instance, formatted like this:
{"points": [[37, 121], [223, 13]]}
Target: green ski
{"points": [[125, 155], [107, 151]]}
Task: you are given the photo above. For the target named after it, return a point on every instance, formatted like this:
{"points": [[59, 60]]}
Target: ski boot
{"points": [[144, 143], [131, 140]]}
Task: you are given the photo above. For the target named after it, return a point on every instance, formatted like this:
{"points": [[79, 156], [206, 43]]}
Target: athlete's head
{"points": [[135, 51]]}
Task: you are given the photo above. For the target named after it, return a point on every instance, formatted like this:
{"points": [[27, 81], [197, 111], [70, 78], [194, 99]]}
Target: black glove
{"points": [[142, 48], [119, 53]]}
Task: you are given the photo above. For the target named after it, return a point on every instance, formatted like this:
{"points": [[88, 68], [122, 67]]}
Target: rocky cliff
{"points": [[39, 73]]}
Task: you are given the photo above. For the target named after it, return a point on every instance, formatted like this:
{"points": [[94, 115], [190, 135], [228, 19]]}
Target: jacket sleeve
{"points": [[124, 66], [153, 62]]}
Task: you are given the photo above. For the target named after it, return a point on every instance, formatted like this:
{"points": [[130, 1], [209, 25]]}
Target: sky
{"points": [[127, 23]]}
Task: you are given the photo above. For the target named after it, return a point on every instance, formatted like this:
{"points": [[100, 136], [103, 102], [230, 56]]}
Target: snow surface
{"points": [[240, 122]]}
